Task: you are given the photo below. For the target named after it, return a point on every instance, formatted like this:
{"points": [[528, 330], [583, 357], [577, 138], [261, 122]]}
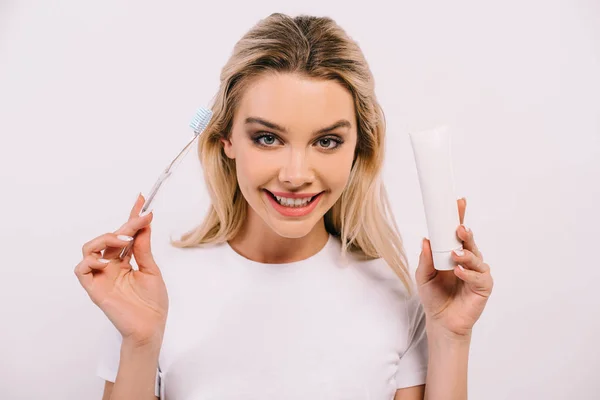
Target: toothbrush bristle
{"points": [[201, 120]]}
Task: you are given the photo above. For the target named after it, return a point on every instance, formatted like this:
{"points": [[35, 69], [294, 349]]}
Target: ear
{"points": [[228, 148]]}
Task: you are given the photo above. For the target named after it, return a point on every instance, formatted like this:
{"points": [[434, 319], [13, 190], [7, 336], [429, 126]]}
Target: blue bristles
{"points": [[201, 120]]}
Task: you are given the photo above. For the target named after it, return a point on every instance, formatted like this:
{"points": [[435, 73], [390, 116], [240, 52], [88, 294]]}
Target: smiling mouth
{"points": [[293, 203]]}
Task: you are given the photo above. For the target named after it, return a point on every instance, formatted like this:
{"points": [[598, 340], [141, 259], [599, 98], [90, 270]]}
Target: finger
{"points": [[142, 251], [138, 206], [96, 245], [130, 228], [425, 271], [469, 260], [139, 203], [84, 269], [466, 235], [462, 208], [481, 283]]}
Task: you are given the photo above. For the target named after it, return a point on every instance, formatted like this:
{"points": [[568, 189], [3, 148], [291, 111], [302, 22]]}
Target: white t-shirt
{"points": [[319, 328]]}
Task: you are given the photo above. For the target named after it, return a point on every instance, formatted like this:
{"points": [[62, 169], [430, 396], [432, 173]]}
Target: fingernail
{"points": [[125, 238], [466, 229], [459, 252], [146, 212], [103, 260], [461, 267]]}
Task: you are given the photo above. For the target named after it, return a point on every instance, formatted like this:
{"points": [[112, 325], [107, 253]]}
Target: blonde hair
{"points": [[314, 47]]}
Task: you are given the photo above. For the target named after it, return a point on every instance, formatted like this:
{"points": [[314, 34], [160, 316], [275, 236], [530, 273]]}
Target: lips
{"points": [[293, 195], [293, 211]]}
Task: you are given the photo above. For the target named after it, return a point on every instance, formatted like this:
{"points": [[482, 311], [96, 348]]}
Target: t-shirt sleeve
{"points": [[412, 367], [109, 354]]}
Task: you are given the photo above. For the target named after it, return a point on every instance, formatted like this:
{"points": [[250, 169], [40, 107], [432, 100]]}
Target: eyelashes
{"points": [[268, 140]]}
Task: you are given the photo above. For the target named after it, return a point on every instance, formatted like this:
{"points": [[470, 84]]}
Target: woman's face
{"points": [[293, 140]]}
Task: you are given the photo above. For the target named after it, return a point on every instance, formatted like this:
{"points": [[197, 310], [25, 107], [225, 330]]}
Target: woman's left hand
{"points": [[454, 300]]}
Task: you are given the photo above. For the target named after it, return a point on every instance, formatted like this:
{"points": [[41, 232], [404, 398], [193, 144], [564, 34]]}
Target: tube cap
{"points": [[442, 260]]}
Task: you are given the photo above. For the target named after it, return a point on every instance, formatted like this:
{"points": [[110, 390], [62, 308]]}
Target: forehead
{"points": [[296, 101]]}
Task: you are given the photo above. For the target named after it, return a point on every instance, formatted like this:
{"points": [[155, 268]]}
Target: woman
{"points": [[296, 285]]}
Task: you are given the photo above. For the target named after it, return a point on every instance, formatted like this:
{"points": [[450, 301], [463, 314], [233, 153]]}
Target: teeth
{"points": [[284, 201]]}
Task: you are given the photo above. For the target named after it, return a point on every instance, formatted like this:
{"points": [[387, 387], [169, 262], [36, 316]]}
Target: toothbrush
{"points": [[198, 124]]}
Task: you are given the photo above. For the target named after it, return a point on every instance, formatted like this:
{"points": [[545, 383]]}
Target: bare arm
{"points": [[410, 393], [108, 387], [447, 369], [137, 373], [448, 366]]}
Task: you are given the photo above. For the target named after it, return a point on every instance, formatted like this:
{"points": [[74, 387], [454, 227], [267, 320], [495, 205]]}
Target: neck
{"points": [[256, 241]]}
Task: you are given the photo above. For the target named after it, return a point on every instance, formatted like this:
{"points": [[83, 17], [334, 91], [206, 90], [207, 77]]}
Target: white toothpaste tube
{"points": [[433, 157]]}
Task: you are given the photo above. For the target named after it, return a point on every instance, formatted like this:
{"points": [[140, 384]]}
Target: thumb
{"points": [[425, 271], [142, 251]]}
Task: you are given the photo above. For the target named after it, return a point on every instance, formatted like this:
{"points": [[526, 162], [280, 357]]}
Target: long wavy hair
{"points": [[315, 47]]}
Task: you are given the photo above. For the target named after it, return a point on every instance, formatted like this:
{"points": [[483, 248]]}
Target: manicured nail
{"points": [[125, 238], [461, 267], [466, 229], [146, 212], [103, 260], [459, 252]]}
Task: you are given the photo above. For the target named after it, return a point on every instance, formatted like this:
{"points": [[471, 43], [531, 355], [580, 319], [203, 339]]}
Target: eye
{"points": [[266, 140], [330, 143]]}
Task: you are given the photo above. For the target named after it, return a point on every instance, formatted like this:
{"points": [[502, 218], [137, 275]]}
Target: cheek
{"points": [[338, 179], [338, 173], [252, 168]]}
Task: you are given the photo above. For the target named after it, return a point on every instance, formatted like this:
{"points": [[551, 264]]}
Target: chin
{"points": [[292, 229]]}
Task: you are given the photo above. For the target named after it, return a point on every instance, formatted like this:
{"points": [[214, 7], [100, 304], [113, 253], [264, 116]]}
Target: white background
{"points": [[95, 99]]}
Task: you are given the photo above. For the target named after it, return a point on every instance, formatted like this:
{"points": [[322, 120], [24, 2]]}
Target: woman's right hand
{"points": [[136, 302]]}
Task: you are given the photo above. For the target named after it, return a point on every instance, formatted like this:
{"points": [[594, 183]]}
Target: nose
{"points": [[297, 171]]}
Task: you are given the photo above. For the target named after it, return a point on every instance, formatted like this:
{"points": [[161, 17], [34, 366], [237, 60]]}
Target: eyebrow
{"points": [[342, 123]]}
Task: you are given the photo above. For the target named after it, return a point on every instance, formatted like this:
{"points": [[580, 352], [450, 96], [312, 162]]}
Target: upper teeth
{"points": [[285, 201]]}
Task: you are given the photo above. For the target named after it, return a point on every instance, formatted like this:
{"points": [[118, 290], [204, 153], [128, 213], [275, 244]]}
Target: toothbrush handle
{"points": [[163, 177], [198, 124]]}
